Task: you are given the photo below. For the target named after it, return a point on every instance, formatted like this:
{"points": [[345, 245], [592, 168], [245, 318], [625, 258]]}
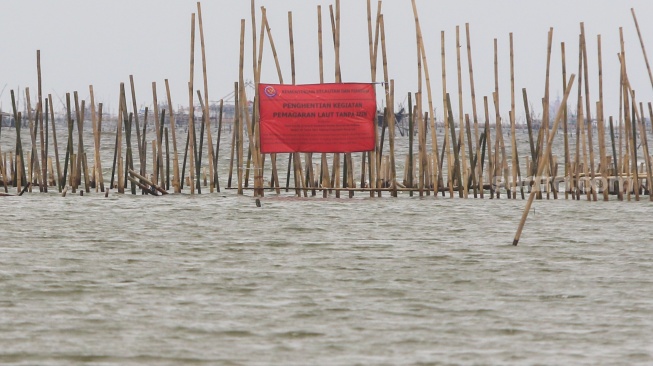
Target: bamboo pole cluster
{"points": [[461, 155]]}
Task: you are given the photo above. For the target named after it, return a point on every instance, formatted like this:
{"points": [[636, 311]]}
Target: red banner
{"points": [[322, 118]]}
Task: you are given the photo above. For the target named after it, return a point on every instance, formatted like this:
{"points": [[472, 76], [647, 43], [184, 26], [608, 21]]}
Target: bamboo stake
{"points": [[175, 157], [69, 148], [323, 160], [515, 159], [601, 124], [55, 145], [44, 164], [616, 162], [445, 111], [581, 123], [640, 122], [297, 168], [140, 147], [565, 126], [244, 122], [588, 110], [80, 142], [474, 113], [647, 157], [207, 114], [461, 123], [96, 142], [217, 149], [641, 42], [33, 163], [386, 80], [544, 162], [191, 105], [457, 167], [488, 140], [143, 141], [391, 126], [19, 144]]}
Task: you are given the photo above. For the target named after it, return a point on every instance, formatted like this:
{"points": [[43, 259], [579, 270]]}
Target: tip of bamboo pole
{"points": [[258, 202], [515, 242]]}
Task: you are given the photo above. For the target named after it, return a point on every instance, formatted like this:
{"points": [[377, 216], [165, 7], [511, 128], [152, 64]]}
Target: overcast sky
{"points": [[101, 43]]}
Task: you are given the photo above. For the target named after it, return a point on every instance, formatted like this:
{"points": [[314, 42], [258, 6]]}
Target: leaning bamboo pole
{"points": [[641, 42], [543, 163], [638, 119]]}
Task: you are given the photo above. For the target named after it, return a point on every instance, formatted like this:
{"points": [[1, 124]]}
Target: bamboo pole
{"points": [[234, 134], [638, 119], [616, 162], [96, 143], [544, 162], [565, 126], [391, 126], [140, 147], [588, 110], [488, 140], [641, 42], [436, 172], [323, 160], [474, 112], [457, 167], [445, 112], [601, 124], [217, 148], [386, 80], [55, 145], [647, 157], [461, 123], [297, 166], [175, 157], [207, 113], [20, 170], [44, 157], [191, 105], [242, 108], [80, 142], [515, 159], [143, 141], [158, 168], [69, 148]]}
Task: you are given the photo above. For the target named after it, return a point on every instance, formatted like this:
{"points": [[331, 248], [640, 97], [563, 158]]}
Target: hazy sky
{"points": [[103, 42]]}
